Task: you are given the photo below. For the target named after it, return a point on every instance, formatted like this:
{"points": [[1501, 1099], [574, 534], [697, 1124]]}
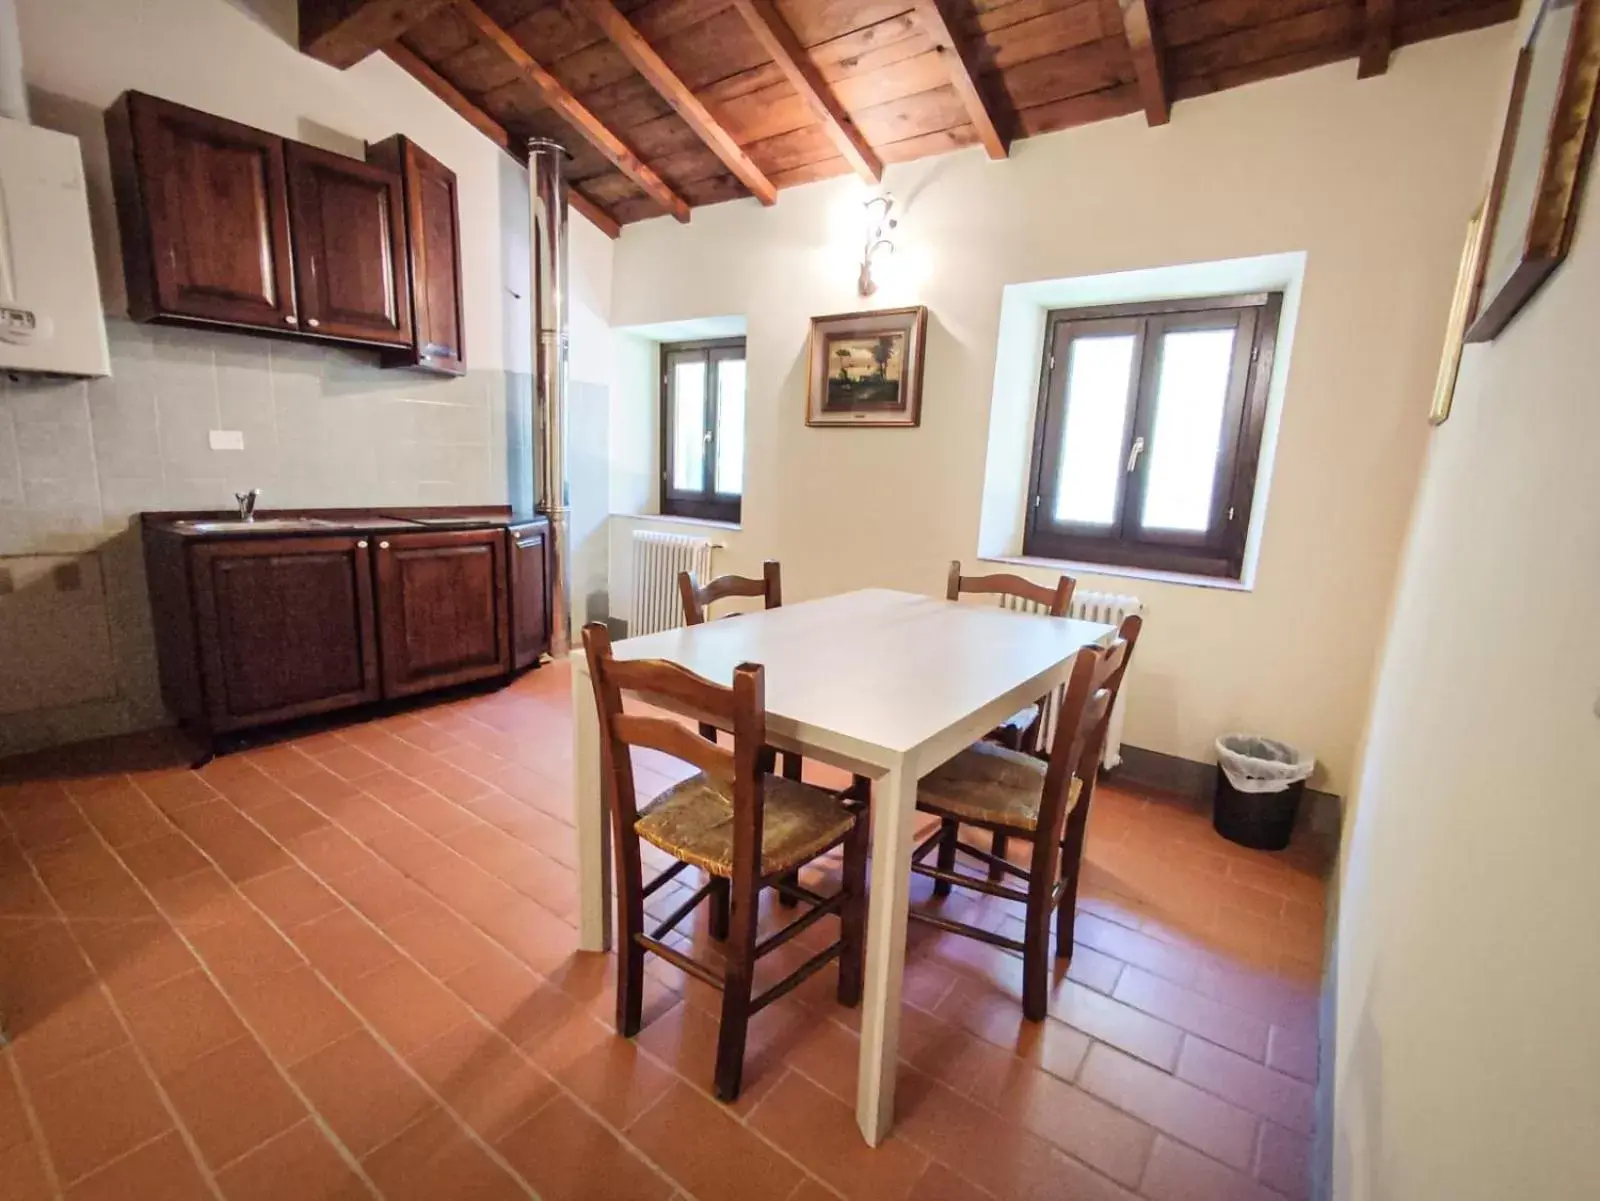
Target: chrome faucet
{"points": [[247, 503]]}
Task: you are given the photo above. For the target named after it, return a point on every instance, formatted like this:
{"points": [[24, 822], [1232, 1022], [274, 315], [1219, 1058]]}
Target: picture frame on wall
{"points": [[865, 369], [1444, 388], [1544, 155]]}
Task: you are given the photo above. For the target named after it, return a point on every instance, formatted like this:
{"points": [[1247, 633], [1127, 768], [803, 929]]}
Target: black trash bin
{"points": [[1258, 805]]}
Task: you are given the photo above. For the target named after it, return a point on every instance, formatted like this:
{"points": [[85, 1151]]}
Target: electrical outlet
{"points": [[227, 439]]}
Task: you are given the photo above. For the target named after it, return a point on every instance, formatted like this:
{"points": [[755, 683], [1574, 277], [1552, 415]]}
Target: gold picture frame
{"points": [[865, 369], [1444, 388], [1544, 155]]}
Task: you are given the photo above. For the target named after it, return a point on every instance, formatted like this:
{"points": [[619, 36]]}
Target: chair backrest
{"points": [[740, 708], [695, 599], [1085, 704], [1115, 668], [1012, 589]]}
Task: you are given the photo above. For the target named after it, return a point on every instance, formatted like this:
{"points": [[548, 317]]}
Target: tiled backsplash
{"points": [[322, 426]]}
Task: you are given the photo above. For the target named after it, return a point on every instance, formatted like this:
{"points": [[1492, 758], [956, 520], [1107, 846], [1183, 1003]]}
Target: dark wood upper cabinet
{"points": [[223, 224], [433, 250], [530, 608], [442, 609], [203, 207], [285, 628], [349, 247]]}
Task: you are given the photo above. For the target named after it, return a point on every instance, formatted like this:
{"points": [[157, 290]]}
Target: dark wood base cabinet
{"points": [[254, 629]]}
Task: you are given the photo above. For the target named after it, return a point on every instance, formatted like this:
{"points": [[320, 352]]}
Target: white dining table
{"points": [[884, 684]]}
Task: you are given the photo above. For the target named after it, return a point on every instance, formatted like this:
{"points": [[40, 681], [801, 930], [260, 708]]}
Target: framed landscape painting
{"points": [[866, 368]]}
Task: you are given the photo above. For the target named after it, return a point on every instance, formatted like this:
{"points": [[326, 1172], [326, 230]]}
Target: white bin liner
{"points": [[1256, 764]]}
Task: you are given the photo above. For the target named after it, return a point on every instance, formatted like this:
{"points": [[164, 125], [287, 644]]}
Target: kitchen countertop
{"points": [[300, 523]]}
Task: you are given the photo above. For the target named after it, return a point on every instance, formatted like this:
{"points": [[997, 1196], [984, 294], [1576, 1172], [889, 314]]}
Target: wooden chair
{"points": [[696, 599], [734, 821], [1010, 792], [1022, 730]]}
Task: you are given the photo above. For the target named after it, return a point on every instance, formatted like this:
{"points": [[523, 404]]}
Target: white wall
{"points": [[322, 426], [1469, 968], [1373, 180]]}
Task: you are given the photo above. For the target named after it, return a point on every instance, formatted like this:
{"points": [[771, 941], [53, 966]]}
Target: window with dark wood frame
{"points": [[702, 429], [1148, 433]]}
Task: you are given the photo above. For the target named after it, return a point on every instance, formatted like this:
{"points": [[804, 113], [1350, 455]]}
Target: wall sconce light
{"points": [[879, 225]]}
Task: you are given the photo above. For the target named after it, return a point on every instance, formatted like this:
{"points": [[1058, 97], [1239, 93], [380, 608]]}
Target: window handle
{"points": [[1133, 454]]}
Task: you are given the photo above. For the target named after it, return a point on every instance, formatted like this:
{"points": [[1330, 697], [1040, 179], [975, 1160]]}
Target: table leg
{"points": [[589, 815], [894, 798]]}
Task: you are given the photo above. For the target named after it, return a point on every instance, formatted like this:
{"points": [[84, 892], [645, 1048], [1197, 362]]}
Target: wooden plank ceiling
{"points": [[671, 104]]}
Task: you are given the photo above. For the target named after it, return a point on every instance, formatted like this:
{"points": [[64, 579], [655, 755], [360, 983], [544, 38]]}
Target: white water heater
{"points": [[50, 315]]}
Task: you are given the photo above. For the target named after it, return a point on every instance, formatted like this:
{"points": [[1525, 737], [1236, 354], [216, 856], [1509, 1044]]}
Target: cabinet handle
{"points": [[383, 546], [313, 322], [362, 545], [290, 319]]}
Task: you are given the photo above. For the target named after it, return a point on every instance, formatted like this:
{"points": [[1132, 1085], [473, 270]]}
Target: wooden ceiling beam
{"points": [[1149, 65], [779, 41], [343, 32], [679, 95], [572, 110], [963, 77], [1377, 38], [491, 129]]}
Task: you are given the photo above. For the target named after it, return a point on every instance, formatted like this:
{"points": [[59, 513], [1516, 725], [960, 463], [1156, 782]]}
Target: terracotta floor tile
{"points": [[406, 1005], [362, 1092], [239, 849], [233, 1100], [343, 947], [1178, 1174], [1248, 1084], [246, 946], [1212, 1020], [484, 1079], [200, 900], [288, 819], [96, 1111], [161, 1170], [331, 853], [708, 1153], [685, 1037], [21, 895], [514, 999], [105, 897], [1079, 1124], [1169, 962], [434, 1158], [439, 940], [1292, 1052], [290, 896], [165, 857], [1221, 1130], [124, 816], [299, 1164], [939, 1183], [1120, 1025], [1283, 1161], [566, 1155], [43, 969], [22, 1174], [78, 1027], [617, 1081], [532, 933], [379, 892], [820, 1132], [293, 1013], [178, 1022], [350, 762]]}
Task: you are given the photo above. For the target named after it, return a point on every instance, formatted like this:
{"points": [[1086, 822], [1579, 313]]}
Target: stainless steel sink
{"points": [[262, 525]]}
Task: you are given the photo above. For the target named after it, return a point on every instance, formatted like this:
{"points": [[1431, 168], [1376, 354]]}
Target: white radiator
{"points": [[1108, 609], [657, 560]]}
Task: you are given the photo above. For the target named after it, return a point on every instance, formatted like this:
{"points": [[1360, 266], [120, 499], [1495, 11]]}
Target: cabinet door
{"points": [[285, 627], [433, 246], [530, 603], [349, 247], [206, 222], [442, 609]]}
